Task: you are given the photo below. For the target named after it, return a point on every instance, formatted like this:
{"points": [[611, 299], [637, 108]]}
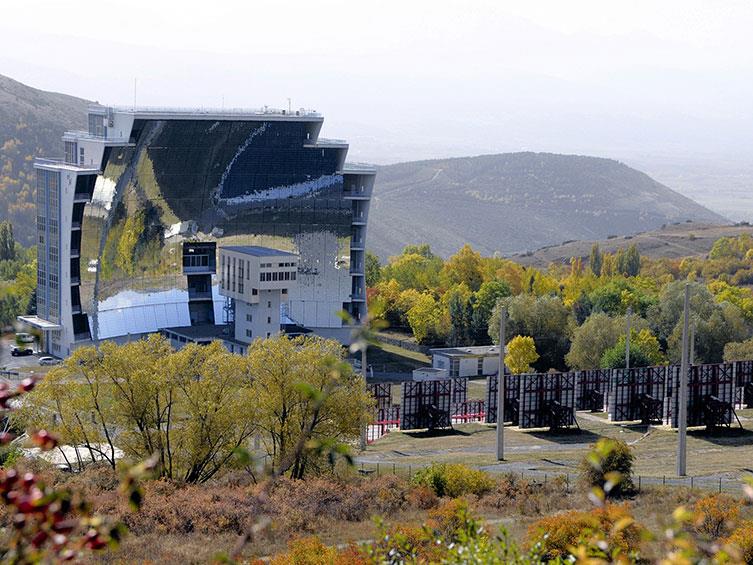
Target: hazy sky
{"points": [[408, 79]]}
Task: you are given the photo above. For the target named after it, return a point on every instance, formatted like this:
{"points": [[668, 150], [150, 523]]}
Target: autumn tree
{"points": [[192, 408], [302, 390], [414, 268], [520, 353], [425, 318], [465, 267]]}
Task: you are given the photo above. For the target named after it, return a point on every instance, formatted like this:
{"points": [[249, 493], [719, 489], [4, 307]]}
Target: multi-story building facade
{"points": [[259, 281], [118, 214]]}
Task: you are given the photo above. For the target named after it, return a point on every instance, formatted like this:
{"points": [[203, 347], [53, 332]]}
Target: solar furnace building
{"points": [[129, 221]]}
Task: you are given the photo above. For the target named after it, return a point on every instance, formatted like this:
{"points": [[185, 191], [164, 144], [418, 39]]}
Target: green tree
{"points": [[590, 340], [303, 391], [544, 318], [725, 324], [373, 269], [738, 350], [628, 261], [614, 357], [595, 260], [520, 354], [666, 313], [7, 242]]}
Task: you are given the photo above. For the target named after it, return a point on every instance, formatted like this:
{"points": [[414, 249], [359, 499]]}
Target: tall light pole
{"points": [[501, 386], [627, 339], [364, 429], [682, 397], [692, 344]]}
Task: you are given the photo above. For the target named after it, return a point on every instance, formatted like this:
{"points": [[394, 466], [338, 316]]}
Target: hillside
{"points": [[672, 241], [517, 202], [31, 123]]}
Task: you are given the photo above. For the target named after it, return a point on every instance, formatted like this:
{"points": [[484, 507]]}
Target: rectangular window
{"points": [[254, 291], [269, 303], [249, 333], [249, 318], [269, 319], [274, 276], [292, 276]]}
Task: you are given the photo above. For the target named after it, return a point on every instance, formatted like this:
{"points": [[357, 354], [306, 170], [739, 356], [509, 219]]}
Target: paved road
{"points": [[8, 362]]}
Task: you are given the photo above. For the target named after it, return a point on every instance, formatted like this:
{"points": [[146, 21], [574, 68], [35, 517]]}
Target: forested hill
{"points": [[31, 123], [518, 202]]}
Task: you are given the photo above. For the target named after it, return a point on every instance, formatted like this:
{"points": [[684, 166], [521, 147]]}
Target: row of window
{"points": [[269, 265], [250, 334], [281, 276]]}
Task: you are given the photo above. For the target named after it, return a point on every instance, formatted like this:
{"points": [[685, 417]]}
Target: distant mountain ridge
{"points": [[515, 202], [31, 124], [508, 203]]}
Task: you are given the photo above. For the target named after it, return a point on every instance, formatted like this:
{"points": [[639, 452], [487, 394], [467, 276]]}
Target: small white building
{"points": [[430, 374], [475, 361], [258, 279]]}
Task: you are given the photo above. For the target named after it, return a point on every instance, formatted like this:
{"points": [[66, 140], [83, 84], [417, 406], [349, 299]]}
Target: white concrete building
{"points": [[259, 281], [476, 361]]}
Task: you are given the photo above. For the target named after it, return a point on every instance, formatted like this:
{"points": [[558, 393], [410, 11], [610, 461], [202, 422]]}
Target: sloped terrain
{"points": [[518, 202], [31, 123]]}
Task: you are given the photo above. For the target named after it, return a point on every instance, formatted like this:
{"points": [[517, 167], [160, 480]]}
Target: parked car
{"points": [[48, 361], [21, 351]]}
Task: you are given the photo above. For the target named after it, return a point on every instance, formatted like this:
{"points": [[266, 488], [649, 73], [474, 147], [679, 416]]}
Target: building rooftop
{"points": [[475, 350], [257, 251], [158, 112]]}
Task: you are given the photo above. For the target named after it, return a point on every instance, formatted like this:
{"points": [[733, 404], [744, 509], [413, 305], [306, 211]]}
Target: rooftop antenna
{"points": [[290, 106]]}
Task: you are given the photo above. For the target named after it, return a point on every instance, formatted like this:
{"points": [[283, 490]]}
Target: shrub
{"points": [[557, 533], [716, 515], [453, 480], [421, 497], [306, 551], [609, 466], [742, 539]]}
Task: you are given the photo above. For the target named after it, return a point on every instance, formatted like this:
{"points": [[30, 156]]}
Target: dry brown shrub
{"points": [[421, 497], [189, 509]]}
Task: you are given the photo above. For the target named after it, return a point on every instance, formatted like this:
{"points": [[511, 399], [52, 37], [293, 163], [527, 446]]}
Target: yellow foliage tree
{"points": [[521, 352]]}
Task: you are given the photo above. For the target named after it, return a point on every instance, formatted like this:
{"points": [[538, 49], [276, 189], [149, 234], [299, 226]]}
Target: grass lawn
{"points": [[393, 359], [726, 453]]}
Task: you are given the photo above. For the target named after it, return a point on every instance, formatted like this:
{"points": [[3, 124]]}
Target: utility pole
{"points": [[682, 397], [501, 386], [692, 344], [627, 339], [364, 371]]}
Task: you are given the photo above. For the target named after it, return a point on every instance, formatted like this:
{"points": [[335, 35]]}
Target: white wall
{"points": [[265, 316]]}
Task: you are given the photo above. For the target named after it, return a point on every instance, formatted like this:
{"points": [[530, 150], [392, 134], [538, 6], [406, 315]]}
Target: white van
{"points": [[24, 337]]}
